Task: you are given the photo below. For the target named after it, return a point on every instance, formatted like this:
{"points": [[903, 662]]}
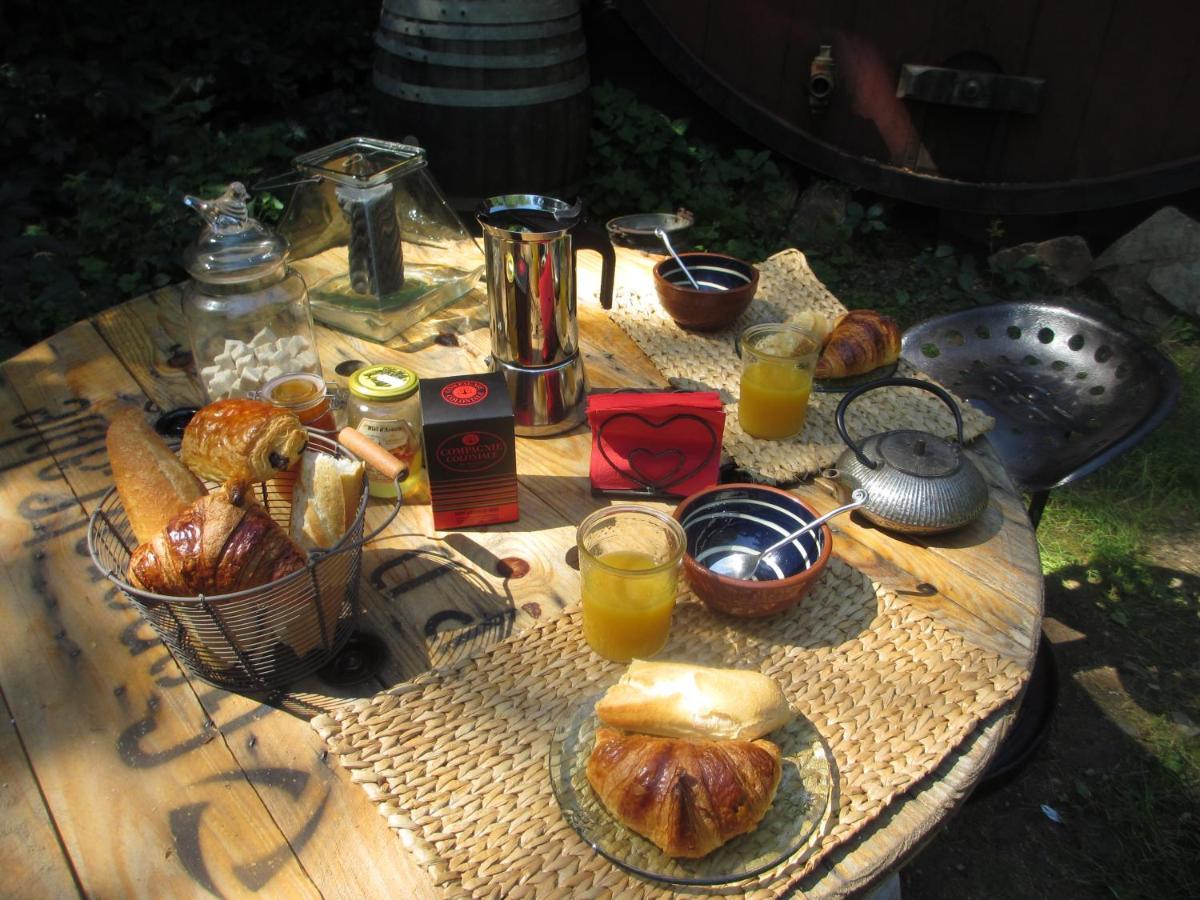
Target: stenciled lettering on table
{"points": [[73, 439], [188, 821]]}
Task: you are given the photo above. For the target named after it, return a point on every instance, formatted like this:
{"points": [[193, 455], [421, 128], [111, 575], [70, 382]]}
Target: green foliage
{"points": [[110, 113], [643, 161], [860, 220]]}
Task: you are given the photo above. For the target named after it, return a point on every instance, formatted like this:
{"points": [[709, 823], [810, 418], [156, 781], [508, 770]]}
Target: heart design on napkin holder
{"points": [[645, 466]]}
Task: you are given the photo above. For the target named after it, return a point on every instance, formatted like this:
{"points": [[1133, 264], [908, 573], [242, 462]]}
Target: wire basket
{"points": [[264, 637]]}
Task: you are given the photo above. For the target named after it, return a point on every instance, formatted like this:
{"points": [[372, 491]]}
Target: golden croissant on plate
{"points": [[687, 796], [862, 340]]}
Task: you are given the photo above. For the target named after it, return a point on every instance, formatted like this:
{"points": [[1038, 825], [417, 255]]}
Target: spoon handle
{"points": [[859, 498], [662, 236]]}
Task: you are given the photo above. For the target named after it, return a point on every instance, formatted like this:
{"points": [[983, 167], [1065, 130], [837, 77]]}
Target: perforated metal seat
{"points": [[1069, 391]]}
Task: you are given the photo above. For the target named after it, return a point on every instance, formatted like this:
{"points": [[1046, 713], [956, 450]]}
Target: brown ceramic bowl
{"points": [[751, 517], [727, 287]]}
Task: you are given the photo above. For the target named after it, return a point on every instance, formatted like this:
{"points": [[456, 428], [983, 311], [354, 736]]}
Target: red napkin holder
{"points": [[656, 442]]}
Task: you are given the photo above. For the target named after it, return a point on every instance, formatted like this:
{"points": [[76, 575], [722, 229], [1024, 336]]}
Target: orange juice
{"points": [[627, 601], [774, 398]]}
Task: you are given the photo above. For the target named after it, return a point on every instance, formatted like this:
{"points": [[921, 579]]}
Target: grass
{"points": [[1150, 494], [1108, 525]]}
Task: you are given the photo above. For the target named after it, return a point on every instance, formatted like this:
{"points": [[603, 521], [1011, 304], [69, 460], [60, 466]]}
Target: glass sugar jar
{"points": [[385, 406], [246, 309]]}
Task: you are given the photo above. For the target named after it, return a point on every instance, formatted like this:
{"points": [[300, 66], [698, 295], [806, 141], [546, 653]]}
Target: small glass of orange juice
{"points": [[629, 560], [777, 371]]}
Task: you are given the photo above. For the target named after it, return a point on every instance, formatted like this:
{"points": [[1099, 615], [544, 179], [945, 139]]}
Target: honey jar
{"points": [[384, 405], [304, 394]]}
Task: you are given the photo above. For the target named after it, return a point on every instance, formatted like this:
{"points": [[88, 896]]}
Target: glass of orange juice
{"points": [[629, 560], [777, 371]]}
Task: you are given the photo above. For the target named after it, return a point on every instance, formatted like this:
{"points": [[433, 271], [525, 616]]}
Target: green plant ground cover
{"points": [[106, 122]]}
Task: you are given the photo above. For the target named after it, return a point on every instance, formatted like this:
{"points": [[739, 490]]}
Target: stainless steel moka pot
{"points": [[529, 250]]}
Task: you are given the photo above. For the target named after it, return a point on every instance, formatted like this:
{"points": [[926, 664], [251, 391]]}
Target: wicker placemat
{"points": [[786, 286], [457, 761]]}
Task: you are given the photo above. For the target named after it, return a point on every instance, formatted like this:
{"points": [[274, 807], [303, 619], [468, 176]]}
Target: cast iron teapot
{"points": [[917, 482]]}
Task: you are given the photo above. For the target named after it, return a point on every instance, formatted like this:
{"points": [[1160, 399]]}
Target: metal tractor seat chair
{"points": [[1069, 392]]}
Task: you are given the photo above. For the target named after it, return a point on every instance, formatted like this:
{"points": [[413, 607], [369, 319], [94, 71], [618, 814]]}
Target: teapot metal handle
{"points": [[840, 416]]}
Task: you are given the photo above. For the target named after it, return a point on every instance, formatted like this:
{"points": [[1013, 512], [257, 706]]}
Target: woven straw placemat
{"points": [[457, 761], [786, 286]]}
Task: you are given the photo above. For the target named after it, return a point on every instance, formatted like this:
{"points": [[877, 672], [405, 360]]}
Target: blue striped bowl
{"points": [[746, 518], [727, 285]]}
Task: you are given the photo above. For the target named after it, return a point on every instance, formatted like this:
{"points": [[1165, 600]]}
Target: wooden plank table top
{"points": [[121, 774]]}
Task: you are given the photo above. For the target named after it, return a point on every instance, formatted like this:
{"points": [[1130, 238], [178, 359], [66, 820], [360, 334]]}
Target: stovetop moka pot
{"points": [[530, 244]]}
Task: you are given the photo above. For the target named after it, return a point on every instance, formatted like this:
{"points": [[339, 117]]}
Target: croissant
{"points": [[222, 543], [861, 340], [243, 440], [687, 796]]}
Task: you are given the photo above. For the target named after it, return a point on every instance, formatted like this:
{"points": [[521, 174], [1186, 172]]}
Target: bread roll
{"points": [[813, 322], [325, 500], [686, 701], [154, 486], [243, 440]]}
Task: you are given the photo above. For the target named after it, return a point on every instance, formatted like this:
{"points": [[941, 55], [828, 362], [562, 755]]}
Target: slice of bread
{"points": [[325, 500], [680, 700]]}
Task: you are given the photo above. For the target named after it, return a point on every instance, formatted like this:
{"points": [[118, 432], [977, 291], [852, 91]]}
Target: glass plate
{"points": [[841, 385], [798, 816]]}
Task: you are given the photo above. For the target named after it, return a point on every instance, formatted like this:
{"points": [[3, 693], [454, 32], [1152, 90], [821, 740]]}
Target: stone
{"points": [[1067, 260], [1167, 236], [1138, 302], [1178, 284], [821, 208], [1154, 270]]}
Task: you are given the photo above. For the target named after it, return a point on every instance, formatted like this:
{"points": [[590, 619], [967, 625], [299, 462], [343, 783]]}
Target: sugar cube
{"points": [[271, 372], [221, 383], [234, 348], [263, 338]]}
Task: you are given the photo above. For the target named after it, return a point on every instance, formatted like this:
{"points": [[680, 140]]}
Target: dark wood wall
{"points": [[1119, 116]]}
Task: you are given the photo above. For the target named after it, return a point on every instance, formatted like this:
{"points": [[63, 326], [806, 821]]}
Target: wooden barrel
{"points": [[1015, 108], [496, 91]]}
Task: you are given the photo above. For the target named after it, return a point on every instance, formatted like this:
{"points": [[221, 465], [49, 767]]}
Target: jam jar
{"points": [[246, 309], [385, 406], [307, 396]]}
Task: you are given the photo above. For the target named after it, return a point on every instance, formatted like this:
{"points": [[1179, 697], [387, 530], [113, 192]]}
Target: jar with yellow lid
{"points": [[384, 405]]}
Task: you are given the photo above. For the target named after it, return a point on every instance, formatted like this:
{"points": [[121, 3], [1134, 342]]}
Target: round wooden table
{"points": [[122, 775]]}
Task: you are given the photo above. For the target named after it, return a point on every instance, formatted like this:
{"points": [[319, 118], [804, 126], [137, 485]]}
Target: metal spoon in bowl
{"points": [[662, 236], [744, 565]]}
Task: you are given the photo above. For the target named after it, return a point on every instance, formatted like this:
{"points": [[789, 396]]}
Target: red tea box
{"points": [[470, 450]]}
